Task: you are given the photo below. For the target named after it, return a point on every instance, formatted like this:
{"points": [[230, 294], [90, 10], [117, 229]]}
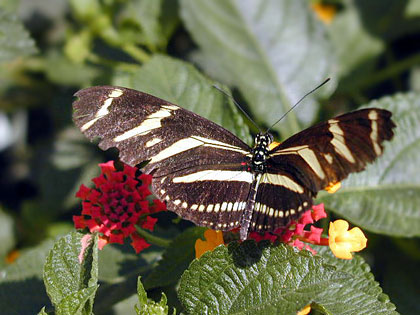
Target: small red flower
{"points": [[297, 233], [116, 204]]}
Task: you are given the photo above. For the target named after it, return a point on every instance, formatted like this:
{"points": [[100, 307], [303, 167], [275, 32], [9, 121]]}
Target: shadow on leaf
{"points": [[247, 253]]}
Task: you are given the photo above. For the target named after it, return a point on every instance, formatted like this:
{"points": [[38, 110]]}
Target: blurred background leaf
{"points": [[272, 51], [14, 39]]}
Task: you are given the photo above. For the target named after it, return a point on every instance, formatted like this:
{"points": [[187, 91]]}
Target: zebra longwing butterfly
{"points": [[209, 176]]}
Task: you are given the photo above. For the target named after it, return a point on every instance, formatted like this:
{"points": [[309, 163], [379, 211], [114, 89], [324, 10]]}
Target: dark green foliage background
{"points": [[269, 53]]}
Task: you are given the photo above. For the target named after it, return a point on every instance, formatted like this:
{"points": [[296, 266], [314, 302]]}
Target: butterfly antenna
{"points": [[297, 103], [237, 105]]}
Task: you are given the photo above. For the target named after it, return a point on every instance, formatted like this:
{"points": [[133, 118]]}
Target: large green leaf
{"points": [[147, 306], [71, 162], [151, 21], [175, 260], [274, 51], [385, 197], [358, 51], [14, 39], [180, 83], [119, 268], [21, 288], [75, 302], [71, 273], [251, 279], [360, 293], [389, 19]]}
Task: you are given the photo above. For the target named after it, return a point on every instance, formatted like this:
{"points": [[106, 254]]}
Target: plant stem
{"points": [[136, 52], [155, 240], [390, 71]]}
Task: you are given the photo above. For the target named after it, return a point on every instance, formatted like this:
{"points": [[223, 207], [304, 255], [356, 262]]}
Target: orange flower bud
{"points": [[343, 241], [333, 187], [325, 12], [213, 239], [305, 310]]}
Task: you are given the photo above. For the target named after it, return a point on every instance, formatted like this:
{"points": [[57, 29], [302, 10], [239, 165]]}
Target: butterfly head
{"points": [[263, 139]]}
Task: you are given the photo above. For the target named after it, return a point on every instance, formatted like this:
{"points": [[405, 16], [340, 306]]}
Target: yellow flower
{"points": [[343, 241], [213, 239], [305, 310], [325, 12]]}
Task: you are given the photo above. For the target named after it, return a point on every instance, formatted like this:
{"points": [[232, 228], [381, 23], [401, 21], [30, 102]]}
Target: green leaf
{"points": [[86, 9], [415, 79], [147, 306], [175, 259], [412, 9], [125, 306], [385, 197], [274, 51], [118, 262], [400, 277], [357, 52], [259, 279], [360, 294], [7, 237], [78, 47], [21, 288], [145, 14], [387, 19], [71, 162], [75, 303], [14, 39], [251, 279], [42, 311], [69, 270], [62, 70], [9, 5], [180, 83], [119, 268]]}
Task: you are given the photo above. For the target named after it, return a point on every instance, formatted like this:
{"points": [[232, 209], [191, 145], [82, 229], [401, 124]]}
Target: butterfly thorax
{"points": [[260, 152]]}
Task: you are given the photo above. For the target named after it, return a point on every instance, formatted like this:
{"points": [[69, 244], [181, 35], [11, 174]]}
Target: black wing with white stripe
{"points": [[198, 166], [209, 176], [315, 158]]}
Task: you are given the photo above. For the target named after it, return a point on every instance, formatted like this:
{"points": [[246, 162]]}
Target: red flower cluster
{"points": [[295, 233], [116, 204]]}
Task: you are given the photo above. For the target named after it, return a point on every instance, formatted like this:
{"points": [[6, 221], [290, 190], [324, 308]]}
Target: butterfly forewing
{"points": [[145, 127], [178, 144], [330, 151]]}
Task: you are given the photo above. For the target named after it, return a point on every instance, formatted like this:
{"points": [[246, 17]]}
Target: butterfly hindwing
{"points": [[208, 196], [280, 198]]}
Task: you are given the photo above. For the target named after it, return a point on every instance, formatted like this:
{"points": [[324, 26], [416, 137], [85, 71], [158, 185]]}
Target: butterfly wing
{"points": [[191, 158], [315, 158]]}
